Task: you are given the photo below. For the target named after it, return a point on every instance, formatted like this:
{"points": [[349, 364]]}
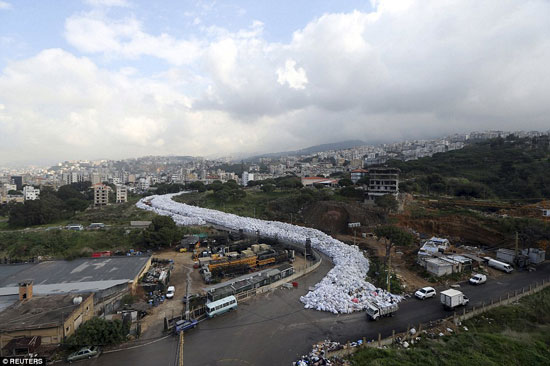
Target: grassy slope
{"points": [[517, 334], [277, 205]]}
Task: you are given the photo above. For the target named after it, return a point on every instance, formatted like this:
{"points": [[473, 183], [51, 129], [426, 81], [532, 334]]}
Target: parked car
{"points": [[478, 279], [170, 292], [83, 353], [425, 293]]}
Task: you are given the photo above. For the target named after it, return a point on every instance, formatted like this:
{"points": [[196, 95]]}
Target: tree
{"points": [[99, 332], [162, 232], [344, 182], [67, 192], [350, 191], [387, 202], [268, 188], [198, 185], [395, 234]]}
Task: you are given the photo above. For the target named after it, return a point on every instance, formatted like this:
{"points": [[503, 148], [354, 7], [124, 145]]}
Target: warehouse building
{"points": [[109, 278], [42, 320]]}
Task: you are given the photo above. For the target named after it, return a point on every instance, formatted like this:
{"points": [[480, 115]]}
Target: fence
{"points": [[509, 298]]}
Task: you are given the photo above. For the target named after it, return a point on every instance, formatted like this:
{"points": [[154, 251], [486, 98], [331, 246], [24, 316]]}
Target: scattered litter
{"points": [[412, 331]]}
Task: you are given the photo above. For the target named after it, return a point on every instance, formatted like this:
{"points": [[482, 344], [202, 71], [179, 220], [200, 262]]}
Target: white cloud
{"points": [[108, 3], [5, 5], [406, 69], [295, 78], [93, 33]]}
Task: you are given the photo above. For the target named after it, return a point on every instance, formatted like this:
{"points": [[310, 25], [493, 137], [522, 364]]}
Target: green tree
{"points": [[162, 232], [387, 202], [395, 234], [268, 188], [198, 185], [99, 332], [344, 182]]}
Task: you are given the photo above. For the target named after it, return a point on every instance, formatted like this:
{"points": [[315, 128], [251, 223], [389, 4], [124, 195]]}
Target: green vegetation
{"points": [[517, 334], [162, 232], [52, 206], [279, 204], [67, 244], [59, 243], [378, 276], [511, 168], [387, 202], [395, 235], [99, 332]]}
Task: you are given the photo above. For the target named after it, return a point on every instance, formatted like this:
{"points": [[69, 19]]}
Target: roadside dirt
{"points": [[410, 279]]}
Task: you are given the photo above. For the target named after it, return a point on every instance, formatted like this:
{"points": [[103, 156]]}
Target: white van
{"points": [[500, 265]]}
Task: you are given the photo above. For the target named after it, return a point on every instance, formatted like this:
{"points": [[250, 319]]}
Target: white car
{"points": [[425, 293], [170, 292], [478, 279]]}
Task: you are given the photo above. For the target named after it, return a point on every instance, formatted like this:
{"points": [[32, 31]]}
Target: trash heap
{"points": [[342, 290], [319, 354]]}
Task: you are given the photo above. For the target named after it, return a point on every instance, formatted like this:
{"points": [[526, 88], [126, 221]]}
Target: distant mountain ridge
{"points": [[342, 145]]}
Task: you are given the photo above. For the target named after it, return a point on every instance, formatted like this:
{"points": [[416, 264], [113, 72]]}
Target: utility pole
{"points": [[389, 268], [517, 240], [187, 300]]}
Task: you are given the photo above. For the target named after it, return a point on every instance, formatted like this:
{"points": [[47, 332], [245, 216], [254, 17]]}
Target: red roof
{"points": [[359, 171]]}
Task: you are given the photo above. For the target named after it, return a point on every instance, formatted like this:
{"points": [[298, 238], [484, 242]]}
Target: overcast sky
{"points": [[126, 78]]}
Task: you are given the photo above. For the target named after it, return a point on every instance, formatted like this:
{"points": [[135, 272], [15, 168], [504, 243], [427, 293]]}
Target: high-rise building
{"points": [[246, 177], [382, 181], [18, 181], [96, 178], [101, 194], [121, 194], [30, 193]]}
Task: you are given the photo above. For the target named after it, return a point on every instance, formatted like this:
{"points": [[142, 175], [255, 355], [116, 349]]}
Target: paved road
{"points": [[274, 329]]}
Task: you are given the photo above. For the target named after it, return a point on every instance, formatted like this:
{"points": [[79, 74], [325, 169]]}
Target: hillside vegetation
{"points": [[511, 168]]}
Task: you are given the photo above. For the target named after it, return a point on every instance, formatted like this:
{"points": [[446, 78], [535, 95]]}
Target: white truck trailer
{"points": [[500, 265], [453, 298], [376, 311]]}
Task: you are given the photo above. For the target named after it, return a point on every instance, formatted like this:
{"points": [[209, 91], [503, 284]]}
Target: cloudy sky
{"points": [[124, 78]]}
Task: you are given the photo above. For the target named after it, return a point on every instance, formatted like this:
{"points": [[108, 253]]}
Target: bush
{"points": [[99, 332]]}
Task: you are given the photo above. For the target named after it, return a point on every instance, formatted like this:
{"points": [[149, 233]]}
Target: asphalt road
{"points": [[274, 329]]}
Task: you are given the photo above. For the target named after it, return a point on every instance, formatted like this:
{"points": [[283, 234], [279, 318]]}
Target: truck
{"points": [[452, 298], [500, 265], [183, 325], [376, 311]]}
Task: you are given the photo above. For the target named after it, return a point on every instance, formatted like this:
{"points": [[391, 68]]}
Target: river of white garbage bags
{"points": [[342, 290]]}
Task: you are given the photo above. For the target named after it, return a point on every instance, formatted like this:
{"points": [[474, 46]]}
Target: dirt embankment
{"points": [[460, 229], [333, 217]]}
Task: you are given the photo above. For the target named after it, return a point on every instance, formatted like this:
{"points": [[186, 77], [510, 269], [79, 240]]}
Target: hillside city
{"points": [[274, 183], [140, 174]]}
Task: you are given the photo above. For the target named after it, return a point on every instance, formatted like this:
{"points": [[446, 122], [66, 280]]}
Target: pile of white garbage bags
{"points": [[342, 290]]}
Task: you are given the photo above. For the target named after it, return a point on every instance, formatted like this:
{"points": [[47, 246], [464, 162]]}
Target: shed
{"points": [[439, 267]]}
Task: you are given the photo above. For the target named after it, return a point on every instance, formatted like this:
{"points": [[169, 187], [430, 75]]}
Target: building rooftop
{"points": [[66, 276], [38, 312]]}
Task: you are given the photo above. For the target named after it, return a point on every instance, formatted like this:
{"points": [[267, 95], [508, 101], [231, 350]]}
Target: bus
{"points": [[221, 306]]}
